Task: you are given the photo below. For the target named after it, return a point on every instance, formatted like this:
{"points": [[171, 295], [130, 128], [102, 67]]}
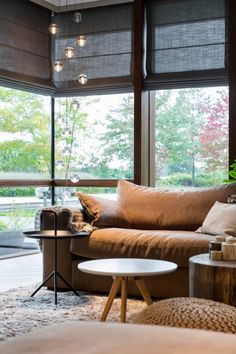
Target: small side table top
{"points": [[127, 267], [204, 259], [50, 234]]}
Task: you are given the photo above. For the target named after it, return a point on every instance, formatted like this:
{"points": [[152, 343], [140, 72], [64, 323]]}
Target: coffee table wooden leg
{"points": [[115, 287], [143, 290], [123, 299]]}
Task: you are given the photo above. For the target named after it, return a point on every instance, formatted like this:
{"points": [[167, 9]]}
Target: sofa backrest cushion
{"points": [[151, 208], [102, 212]]}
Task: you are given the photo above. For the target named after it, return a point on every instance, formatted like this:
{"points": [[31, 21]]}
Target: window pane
{"points": [[94, 137], [191, 137], [66, 195], [18, 207], [24, 135]]}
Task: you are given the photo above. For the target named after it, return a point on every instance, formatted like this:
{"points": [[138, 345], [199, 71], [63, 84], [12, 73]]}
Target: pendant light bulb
{"points": [[58, 66], [75, 105], [69, 52], [75, 178], [83, 79], [81, 40], [53, 28]]}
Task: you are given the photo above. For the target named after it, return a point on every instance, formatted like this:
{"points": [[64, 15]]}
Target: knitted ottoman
{"points": [[190, 313]]}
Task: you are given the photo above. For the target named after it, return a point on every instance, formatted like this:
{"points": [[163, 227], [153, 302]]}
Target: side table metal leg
{"points": [[67, 284], [43, 283]]}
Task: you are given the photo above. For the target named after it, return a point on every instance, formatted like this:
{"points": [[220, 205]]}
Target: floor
{"points": [[20, 271]]}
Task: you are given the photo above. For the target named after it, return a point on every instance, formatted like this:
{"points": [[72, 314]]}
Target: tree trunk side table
{"points": [[214, 280]]}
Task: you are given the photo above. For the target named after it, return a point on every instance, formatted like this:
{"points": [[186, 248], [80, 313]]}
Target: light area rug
{"points": [[20, 313]]}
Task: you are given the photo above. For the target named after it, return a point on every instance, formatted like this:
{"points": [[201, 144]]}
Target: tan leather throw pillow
{"points": [[151, 208], [102, 212]]}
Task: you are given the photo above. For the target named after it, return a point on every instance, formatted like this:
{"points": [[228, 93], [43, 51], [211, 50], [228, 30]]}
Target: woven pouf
{"points": [[190, 313]]}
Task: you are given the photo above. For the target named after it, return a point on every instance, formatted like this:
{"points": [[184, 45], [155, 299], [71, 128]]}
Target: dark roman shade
{"points": [[107, 56], [25, 47], [187, 42]]}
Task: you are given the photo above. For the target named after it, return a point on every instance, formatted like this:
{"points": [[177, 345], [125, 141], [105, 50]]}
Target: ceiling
{"points": [[68, 5]]}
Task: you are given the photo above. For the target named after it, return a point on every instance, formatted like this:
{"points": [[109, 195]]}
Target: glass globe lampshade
{"points": [[53, 28], [83, 79], [58, 66], [66, 132], [66, 195], [60, 164], [69, 52], [60, 120], [77, 17], [75, 178], [66, 151], [75, 105], [81, 40]]}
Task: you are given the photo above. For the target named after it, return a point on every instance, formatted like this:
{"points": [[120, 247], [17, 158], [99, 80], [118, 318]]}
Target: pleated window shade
{"points": [[186, 36], [107, 56], [25, 46]]}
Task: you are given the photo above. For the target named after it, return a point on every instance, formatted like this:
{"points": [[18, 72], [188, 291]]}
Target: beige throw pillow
{"points": [[221, 219]]}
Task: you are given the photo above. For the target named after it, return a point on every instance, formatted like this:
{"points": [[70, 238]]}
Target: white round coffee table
{"points": [[123, 270]]}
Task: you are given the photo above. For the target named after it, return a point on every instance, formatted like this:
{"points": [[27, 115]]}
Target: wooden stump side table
{"points": [[214, 280]]}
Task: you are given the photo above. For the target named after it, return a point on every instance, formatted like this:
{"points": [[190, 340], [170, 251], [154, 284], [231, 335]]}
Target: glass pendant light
{"points": [[66, 132], [75, 105], [60, 120], [66, 151], [53, 28], [83, 79], [81, 40], [58, 66], [60, 164], [69, 52], [75, 178], [66, 195], [77, 18]]}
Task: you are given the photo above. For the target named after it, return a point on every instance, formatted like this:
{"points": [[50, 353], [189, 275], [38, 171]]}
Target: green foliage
{"points": [[232, 173], [191, 131], [185, 180], [17, 192], [17, 217], [114, 157], [96, 190], [25, 124], [3, 225]]}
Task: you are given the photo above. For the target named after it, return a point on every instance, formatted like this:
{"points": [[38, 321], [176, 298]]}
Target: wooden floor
{"points": [[20, 271]]}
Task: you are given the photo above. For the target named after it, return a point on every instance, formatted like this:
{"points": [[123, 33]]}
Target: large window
{"points": [[24, 135], [95, 137], [191, 137]]}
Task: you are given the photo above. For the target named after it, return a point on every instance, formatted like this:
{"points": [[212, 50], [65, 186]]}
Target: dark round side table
{"points": [[55, 235]]}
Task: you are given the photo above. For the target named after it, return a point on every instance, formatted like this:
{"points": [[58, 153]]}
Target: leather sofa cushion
{"points": [[102, 212], [175, 246], [155, 209]]}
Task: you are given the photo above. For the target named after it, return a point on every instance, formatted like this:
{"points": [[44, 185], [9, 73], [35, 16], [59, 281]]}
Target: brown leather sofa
{"points": [[143, 223]]}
